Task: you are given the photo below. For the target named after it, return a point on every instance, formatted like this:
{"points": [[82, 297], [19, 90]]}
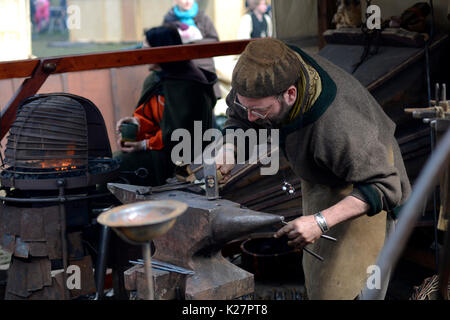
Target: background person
{"points": [[174, 96], [256, 23], [194, 27], [42, 15]]}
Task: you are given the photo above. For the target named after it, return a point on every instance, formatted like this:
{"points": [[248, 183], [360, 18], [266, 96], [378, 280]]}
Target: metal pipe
{"points": [[158, 267], [100, 268], [436, 93], [156, 263], [435, 214], [410, 213], [444, 92], [62, 216], [427, 66], [147, 255], [55, 199]]}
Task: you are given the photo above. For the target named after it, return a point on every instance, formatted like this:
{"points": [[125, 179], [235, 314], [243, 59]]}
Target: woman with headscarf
{"points": [[194, 26]]}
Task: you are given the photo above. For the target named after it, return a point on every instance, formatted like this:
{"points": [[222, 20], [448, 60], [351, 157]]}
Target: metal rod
{"points": [[313, 253], [427, 65], [62, 217], [147, 255], [59, 199], [328, 238], [169, 266], [163, 268], [436, 94], [444, 92], [410, 213], [100, 269], [435, 217]]}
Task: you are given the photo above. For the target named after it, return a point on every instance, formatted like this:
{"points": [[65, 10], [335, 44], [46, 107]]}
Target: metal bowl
{"points": [[140, 222]]}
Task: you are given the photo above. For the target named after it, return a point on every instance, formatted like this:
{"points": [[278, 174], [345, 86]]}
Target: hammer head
{"points": [[211, 182]]}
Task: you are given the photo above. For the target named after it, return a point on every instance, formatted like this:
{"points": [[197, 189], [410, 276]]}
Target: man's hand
{"points": [[301, 231], [129, 147], [225, 161]]}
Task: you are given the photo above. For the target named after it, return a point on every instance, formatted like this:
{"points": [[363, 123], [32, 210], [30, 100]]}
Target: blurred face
{"points": [[184, 5], [262, 7]]}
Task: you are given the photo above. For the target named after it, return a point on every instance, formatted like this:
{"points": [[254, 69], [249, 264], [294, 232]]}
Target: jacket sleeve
{"points": [[149, 116], [350, 147], [208, 30]]}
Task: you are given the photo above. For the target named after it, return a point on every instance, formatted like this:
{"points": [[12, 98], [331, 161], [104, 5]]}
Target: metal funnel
{"points": [[141, 222]]}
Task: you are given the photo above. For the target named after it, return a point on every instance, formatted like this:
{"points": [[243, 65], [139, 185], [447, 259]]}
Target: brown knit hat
{"points": [[266, 68]]}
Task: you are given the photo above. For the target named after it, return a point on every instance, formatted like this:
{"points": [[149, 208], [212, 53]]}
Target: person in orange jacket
{"points": [[174, 95]]}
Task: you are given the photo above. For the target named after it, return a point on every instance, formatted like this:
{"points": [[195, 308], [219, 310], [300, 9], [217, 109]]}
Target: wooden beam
{"points": [[39, 69], [118, 59], [28, 88]]}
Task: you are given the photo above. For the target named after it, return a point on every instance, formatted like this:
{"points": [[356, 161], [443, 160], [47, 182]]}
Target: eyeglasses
{"points": [[254, 113]]}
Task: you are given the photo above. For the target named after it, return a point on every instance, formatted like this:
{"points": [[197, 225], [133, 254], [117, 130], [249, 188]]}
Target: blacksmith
{"points": [[341, 144]]}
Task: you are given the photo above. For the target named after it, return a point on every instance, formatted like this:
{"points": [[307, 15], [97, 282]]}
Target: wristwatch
{"points": [[321, 222]]}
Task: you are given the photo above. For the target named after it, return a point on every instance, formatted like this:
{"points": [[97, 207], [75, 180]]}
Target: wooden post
{"points": [[326, 11]]}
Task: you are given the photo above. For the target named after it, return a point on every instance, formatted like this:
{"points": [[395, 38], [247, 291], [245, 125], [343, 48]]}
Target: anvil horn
{"points": [[232, 222]]}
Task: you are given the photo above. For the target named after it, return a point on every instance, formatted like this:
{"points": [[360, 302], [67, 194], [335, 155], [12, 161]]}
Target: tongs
{"points": [[315, 255]]}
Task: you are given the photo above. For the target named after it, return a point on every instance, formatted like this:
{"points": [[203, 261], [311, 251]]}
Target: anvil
{"points": [[196, 240]]}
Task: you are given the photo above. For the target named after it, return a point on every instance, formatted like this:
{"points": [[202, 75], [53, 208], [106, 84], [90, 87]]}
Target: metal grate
{"points": [[49, 136]]}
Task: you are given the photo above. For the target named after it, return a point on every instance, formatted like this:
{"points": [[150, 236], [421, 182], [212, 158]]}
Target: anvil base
{"points": [[211, 285]]}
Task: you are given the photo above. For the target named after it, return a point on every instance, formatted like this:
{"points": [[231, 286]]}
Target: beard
{"points": [[275, 121]]}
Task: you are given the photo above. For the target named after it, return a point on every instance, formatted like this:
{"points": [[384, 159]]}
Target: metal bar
{"points": [[100, 268], [328, 238], [163, 268], [410, 213], [315, 255], [62, 212], [60, 199], [444, 92], [147, 254], [169, 266], [427, 64], [435, 214]]}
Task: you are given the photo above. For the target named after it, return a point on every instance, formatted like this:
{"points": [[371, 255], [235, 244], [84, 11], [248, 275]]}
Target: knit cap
{"points": [[267, 67]]}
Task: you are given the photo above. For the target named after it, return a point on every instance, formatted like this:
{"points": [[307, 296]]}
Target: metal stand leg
{"points": [[147, 254], [100, 269]]}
